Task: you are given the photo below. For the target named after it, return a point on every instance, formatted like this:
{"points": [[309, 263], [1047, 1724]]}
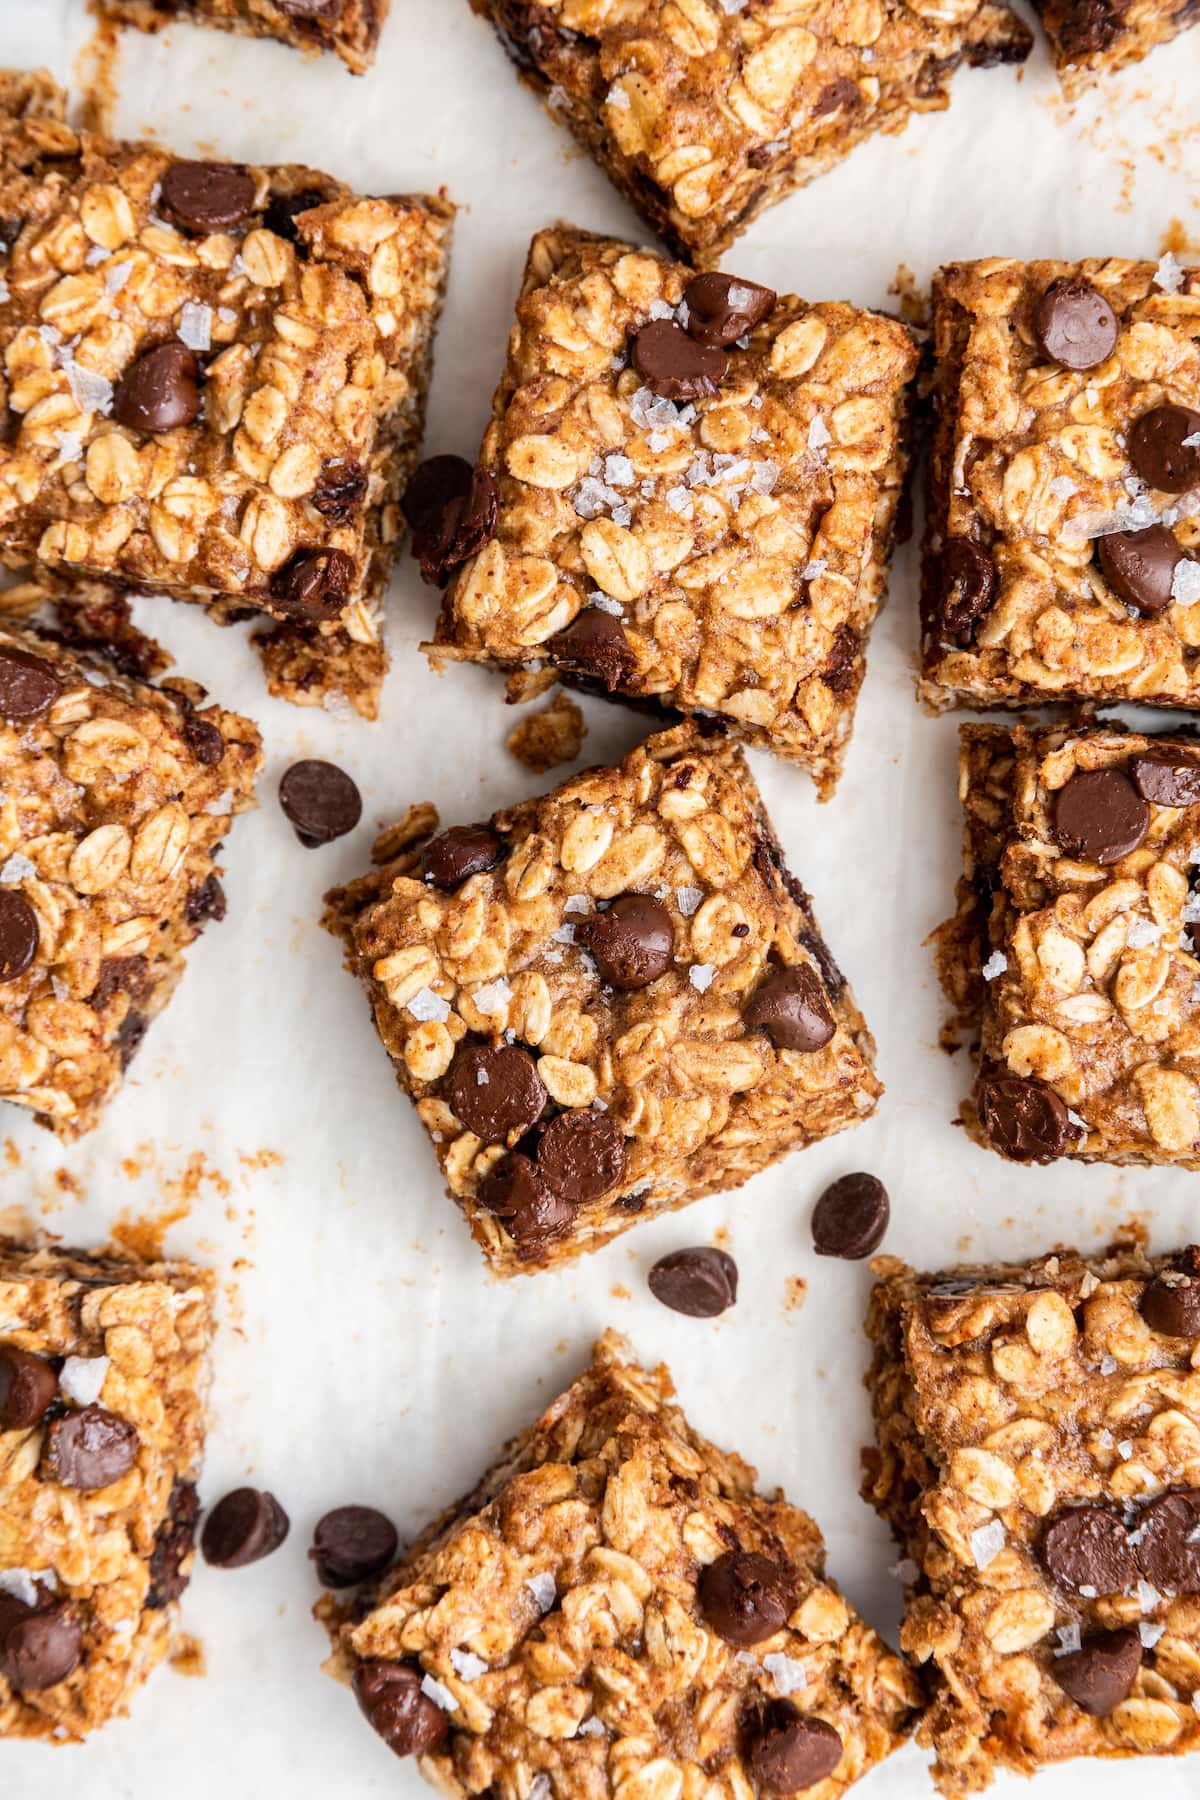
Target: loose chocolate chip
{"points": [[19, 935], [434, 484], [594, 644], [1160, 450], [1139, 567], [516, 1193], [341, 489], [282, 211], [722, 309], [701, 1283], [495, 1090], [160, 391], [465, 850], [313, 584], [788, 1751], [1168, 1554], [207, 196], [245, 1526], [1100, 1674], [205, 902], [633, 942], [27, 1386], [459, 530], [1100, 816], [320, 801], [172, 1547], [389, 1695], [1089, 1547], [968, 583], [851, 1217], [581, 1155], [351, 1543], [88, 1448], [673, 365], [40, 1648], [1024, 1119], [746, 1597], [792, 1009], [204, 741], [1166, 778], [1171, 1302], [28, 686], [1075, 325]]}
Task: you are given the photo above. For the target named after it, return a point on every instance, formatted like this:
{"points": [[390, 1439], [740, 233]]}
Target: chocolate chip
{"points": [[515, 1192], [120, 975], [1168, 1554], [791, 1008], [788, 1751], [389, 1695], [1160, 451], [206, 196], [673, 365], [433, 485], [701, 1282], [130, 1033], [39, 1648], [594, 644], [722, 309], [204, 741], [351, 1543], [205, 902], [633, 942], [88, 1448], [968, 583], [581, 1155], [1166, 777], [27, 1386], [320, 801], [28, 686], [282, 211], [745, 1597], [1101, 1673], [19, 935], [839, 92], [1139, 567], [495, 1090], [173, 1546], [313, 585], [245, 1526], [465, 850], [457, 531], [341, 489], [1024, 1119], [1089, 1548], [843, 670], [851, 1217], [160, 391], [1171, 1302], [1100, 816], [1075, 325]]}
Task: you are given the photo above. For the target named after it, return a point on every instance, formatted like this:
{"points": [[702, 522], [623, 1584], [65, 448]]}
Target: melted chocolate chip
{"points": [[458, 530], [787, 1750], [39, 1647], [1166, 777], [515, 1192], [1169, 1555], [19, 934], [722, 309], [1089, 1548], [791, 1008], [594, 644], [341, 489], [968, 584], [1139, 567], [28, 686], [1100, 816], [1075, 325], [1101, 1673], [1162, 450], [389, 1695], [746, 1598], [851, 1217], [28, 1385], [204, 741], [581, 1155], [673, 365], [160, 391], [206, 196], [465, 850], [1025, 1119], [1171, 1302], [313, 585], [173, 1546], [495, 1090], [633, 942], [88, 1448], [282, 211]]}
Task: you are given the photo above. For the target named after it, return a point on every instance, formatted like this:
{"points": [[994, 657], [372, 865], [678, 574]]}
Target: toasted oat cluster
{"points": [[1039, 1461], [615, 1610], [114, 798], [348, 28], [103, 1381], [703, 112], [1094, 38], [696, 486], [1064, 520], [1074, 950], [217, 376], [607, 1002]]}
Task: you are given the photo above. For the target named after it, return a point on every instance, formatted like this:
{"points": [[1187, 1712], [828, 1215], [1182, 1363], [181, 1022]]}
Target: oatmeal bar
{"points": [[218, 377], [700, 517], [616, 1610], [1039, 1461], [1060, 561], [350, 28], [1093, 38], [703, 112], [114, 798], [103, 1381], [607, 1002]]}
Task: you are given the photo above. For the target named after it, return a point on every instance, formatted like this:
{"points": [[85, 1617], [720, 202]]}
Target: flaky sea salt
{"points": [[70, 445], [1142, 933], [987, 1541], [687, 899], [563, 934], [618, 97], [20, 1583], [789, 1676], [441, 1696], [115, 277], [577, 903], [1185, 582], [995, 965], [493, 997], [818, 434], [82, 1378], [606, 603], [701, 976], [812, 569], [592, 1727], [1148, 1598], [1125, 1449], [426, 1006], [1062, 487], [195, 325], [544, 1590], [1150, 1633], [468, 1666], [1168, 275], [1108, 1364], [90, 392], [1069, 1639], [618, 471], [17, 868]]}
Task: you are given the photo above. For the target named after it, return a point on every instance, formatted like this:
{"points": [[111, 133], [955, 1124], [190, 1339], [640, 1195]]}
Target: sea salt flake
{"points": [[987, 1541], [195, 325], [812, 569], [426, 1006], [995, 965], [764, 477], [1108, 1366], [687, 899], [818, 434], [82, 1378], [658, 442], [115, 277], [622, 515], [618, 470], [1185, 582], [20, 1583], [606, 603], [468, 1666], [659, 309], [59, 988], [1125, 1449], [540, 1788], [1150, 1633], [70, 445], [1062, 487], [1148, 1597], [441, 1696], [577, 903], [1168, 275], [701, 976], [90, 392], [1142, 933], [493, 997], [789, 1676], [482, 1078], [17, 868], [1069, 1639], [592, 1727], [544, 1590], [618, 96], [563, 934]]}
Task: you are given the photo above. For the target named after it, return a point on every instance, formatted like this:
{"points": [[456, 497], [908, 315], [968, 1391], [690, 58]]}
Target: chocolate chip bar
{"points": [[616, 1610], [1038, 1459], [1074, 951], [607, 1002], [348, 28], [216, 376], [687, 495], [1094, 38], [114, 798], [1064, 518], [704, 113], [103, 1380]]}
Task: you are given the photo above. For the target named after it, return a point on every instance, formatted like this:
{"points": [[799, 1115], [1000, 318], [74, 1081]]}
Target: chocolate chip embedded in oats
{"points": [[204, 741], [464, 524], [455, 855], [341, 489], [88, 1448], [851, 1217], [1100, 816], [1171, 1302], [1088, 1547], [19, 935], [390, 1698], [1164, 448], [968, 582], [582, 1155], [432, 485], [1075, 325], [701, 1282], [515, 1192], [242, 1528], [206, 901], [787, 1750], [791, 1008], [673, 365], [28, 686], [1101, 1673], [173, 1546], [206, 196], [1024, 1119], [1140, 566], [160, 391], [1166, 778], [495, 1090], [27, 1386], [320, 801], [313, 584], [594, 644], [746, 1598], [41, 1647], [352, 1543], [1169, 1551], [633, 941], [282, 211], [721, 308]]}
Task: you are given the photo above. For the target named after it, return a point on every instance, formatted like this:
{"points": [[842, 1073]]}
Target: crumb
{"points": [[914, 304], [524, 685], [619, 1291], [550, 737], [722, 1238], [795, 1290], [188, 1658], [261, 1159], [12, 1156]]}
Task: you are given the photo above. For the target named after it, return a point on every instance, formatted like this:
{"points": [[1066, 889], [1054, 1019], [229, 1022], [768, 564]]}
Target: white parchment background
{"points": [[366, 1355]]}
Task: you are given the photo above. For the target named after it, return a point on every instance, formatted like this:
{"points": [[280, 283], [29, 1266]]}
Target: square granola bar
{"points": [[1064, 515], [1039, 1461], [103, 1382], [616, 1610], [1074, 949], [114, 798], [704, 112], [694, 487], [1094, 38], [607, 1002], [348, 28], [217, 375]]}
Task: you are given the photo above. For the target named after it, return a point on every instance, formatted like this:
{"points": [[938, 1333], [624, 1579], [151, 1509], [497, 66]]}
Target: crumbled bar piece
{"points": [[703, 112], [348, 28], [1038, 1459], [547, 738], [616, 1610], [1094, 38], [1062, 557], [687, 517], [114, 799], [1073, 953], [103, 1382], [608, 1001], [218, 378]]}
